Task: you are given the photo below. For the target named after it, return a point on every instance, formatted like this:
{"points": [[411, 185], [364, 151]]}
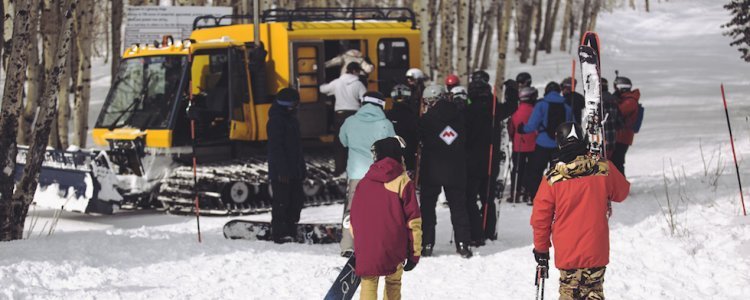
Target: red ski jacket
{"points": [[386, 220], [525, 142], [628, 106], [571, 206]]}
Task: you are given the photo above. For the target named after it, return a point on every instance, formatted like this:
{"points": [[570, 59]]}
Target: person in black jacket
{"points": [[404, 117], [443, 165], [286, 165], [573, 99], [480, 133]]}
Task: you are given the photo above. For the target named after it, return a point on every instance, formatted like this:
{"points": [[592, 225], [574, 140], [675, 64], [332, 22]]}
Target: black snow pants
{"points": [[618, 157], [537, 164], [456, 197], [482, 229], [520, 163], [286, 207]]}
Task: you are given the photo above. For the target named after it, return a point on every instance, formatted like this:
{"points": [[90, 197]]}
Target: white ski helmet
{"points": [[434, 92], [415, 73], [459, 93]]}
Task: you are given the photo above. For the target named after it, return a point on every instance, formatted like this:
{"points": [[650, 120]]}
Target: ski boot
{"points": [[477, 243], [463, 250], [427, 250], [284, 239]]}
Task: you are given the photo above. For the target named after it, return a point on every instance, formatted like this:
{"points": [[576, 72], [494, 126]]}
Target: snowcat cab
{"points": [[226, 81]]}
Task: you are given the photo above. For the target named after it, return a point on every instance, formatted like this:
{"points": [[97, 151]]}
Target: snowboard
{"points": [[346, 283], [259, 230]]}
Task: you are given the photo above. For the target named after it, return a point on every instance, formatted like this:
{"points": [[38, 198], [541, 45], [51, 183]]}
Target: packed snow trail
{"points": [[676, 55]]}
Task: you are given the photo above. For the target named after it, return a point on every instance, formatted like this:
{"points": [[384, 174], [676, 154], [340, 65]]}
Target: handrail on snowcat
{"points": [[310, 14]]}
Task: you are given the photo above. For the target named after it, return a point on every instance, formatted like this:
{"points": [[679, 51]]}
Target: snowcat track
{"points": [[241, 187]]}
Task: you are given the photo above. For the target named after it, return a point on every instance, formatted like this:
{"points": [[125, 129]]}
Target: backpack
{"points": [[555, 116], [639, 119]]}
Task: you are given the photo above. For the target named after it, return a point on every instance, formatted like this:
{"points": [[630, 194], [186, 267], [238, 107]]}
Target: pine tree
{"points": [[739, 26]]}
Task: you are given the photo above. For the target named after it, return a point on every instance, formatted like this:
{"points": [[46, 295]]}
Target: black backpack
{"points": [[555, 116]]}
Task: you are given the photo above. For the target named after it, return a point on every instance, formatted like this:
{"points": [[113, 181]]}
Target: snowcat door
{"points": [[239, 96], [393, 62], [307, 75]]}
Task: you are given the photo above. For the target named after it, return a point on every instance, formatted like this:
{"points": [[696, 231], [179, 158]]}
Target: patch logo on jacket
{"points": [[448, 135]]}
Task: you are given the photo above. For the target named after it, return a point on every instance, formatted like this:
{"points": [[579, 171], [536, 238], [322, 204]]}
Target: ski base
{"points": [[259, 230]]}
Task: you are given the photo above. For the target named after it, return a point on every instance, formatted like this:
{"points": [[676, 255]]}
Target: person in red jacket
{"points": [[386, 219], [523, 143], [572, 203], [628, 105]]}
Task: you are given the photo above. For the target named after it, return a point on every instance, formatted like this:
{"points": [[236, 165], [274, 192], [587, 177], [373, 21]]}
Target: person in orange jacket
{"points": [[628, 105], [572, 202]]}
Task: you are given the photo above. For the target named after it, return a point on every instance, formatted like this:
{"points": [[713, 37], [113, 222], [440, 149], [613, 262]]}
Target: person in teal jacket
{"points": [[358, 134]]}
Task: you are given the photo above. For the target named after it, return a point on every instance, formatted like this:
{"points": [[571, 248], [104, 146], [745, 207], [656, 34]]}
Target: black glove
{"points": [[542, 258], [520, 128], [410, 264]]}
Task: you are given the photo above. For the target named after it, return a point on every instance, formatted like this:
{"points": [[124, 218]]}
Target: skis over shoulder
{"points": [[592, 94]]}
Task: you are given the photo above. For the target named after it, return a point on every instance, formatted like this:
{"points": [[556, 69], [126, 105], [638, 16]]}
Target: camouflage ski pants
{"points": [[582, 284], [392, 288]]}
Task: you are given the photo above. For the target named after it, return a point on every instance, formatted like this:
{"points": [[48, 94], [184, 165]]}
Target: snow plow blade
{"points": [[78, 181]]}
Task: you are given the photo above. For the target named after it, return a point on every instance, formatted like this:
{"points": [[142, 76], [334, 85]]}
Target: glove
{"points": [[542, 258], [520, 128], [411, 263]]}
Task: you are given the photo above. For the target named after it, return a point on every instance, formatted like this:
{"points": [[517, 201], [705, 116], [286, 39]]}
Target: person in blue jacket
{"points": [[549, 112], [358, 134], [286, 165]]}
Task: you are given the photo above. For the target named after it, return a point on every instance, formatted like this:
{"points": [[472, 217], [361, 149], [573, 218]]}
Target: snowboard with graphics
{"points": [[346, 283], [259, 230]]}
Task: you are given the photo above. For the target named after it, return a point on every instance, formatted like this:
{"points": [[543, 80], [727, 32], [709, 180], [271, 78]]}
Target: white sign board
{"points": [[146, 24]]}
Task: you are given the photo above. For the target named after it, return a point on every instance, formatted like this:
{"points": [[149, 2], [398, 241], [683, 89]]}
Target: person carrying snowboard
{"points": [[386, 221], [573, 201], [403, 116], [481, 135], [286, 165], [628, 105], [523, 143], [443, 166], [358, 134], [573, 99], [347, 90], [548, 113]]}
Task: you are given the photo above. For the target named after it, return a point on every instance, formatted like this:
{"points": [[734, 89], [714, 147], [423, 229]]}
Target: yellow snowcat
{"points": [[225, 77]]}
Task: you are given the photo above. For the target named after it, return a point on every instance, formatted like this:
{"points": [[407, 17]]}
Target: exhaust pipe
{"points": [[256, 22]]}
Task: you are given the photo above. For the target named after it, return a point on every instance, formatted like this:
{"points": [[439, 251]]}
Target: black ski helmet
{"points": [[480, 76], [604, 83], [567, 83], [568, 133], [524, 79], [622, 83], [551, 87]]}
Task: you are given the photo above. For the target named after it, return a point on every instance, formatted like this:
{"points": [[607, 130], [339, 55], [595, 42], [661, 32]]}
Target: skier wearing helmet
{"points": [[452, 81], [460, 96], [523, 143], [443, 167], [523, 79], [572, 197], [628, 105], [415, 80], [404, 118], [481, 133]]}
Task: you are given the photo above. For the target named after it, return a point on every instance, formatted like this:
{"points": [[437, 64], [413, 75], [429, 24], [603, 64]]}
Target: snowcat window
{"points": [[393, 62], [143, 93]]}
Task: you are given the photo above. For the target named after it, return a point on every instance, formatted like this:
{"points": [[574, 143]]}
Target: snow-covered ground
{"points": [[676, 55]]}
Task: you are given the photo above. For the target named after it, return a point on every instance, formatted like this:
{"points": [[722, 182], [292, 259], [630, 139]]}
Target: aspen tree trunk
{"points": [[2, 33], [547, 41], [591, 26], [525, 13], [24, 193], [116, 10], [490, 24], [34, 73], [647, 6], [566, 24], [537, 29], [433, 9], [547, 23], [585, 13], [470, 36], [84, 26], [420, 7], [480, 37], [462, 38], [632, 4], [10, 12], [11, 109], [447, 23], [503, 27]]}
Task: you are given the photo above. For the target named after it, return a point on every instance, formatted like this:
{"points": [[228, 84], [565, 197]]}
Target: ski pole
{"points": [[573, 76], [731, 139], [489, 162], [541, 274], [195, 160]]}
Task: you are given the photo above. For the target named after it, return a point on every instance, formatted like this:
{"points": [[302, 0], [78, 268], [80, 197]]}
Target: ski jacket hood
{"points": [[628, 105], [539, 116], [571, 208], [386, 220], [347, 89], [522, 142], [358, 134]]}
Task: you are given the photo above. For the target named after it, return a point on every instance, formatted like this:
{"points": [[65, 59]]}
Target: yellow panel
{"points": [[307, 52], [307, 65], [308, 80], [155, 138], [159, 138], [308, 95], [262, 110]]}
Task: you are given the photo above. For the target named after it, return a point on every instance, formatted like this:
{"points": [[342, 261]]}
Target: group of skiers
{"points": [[446, 138]]}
